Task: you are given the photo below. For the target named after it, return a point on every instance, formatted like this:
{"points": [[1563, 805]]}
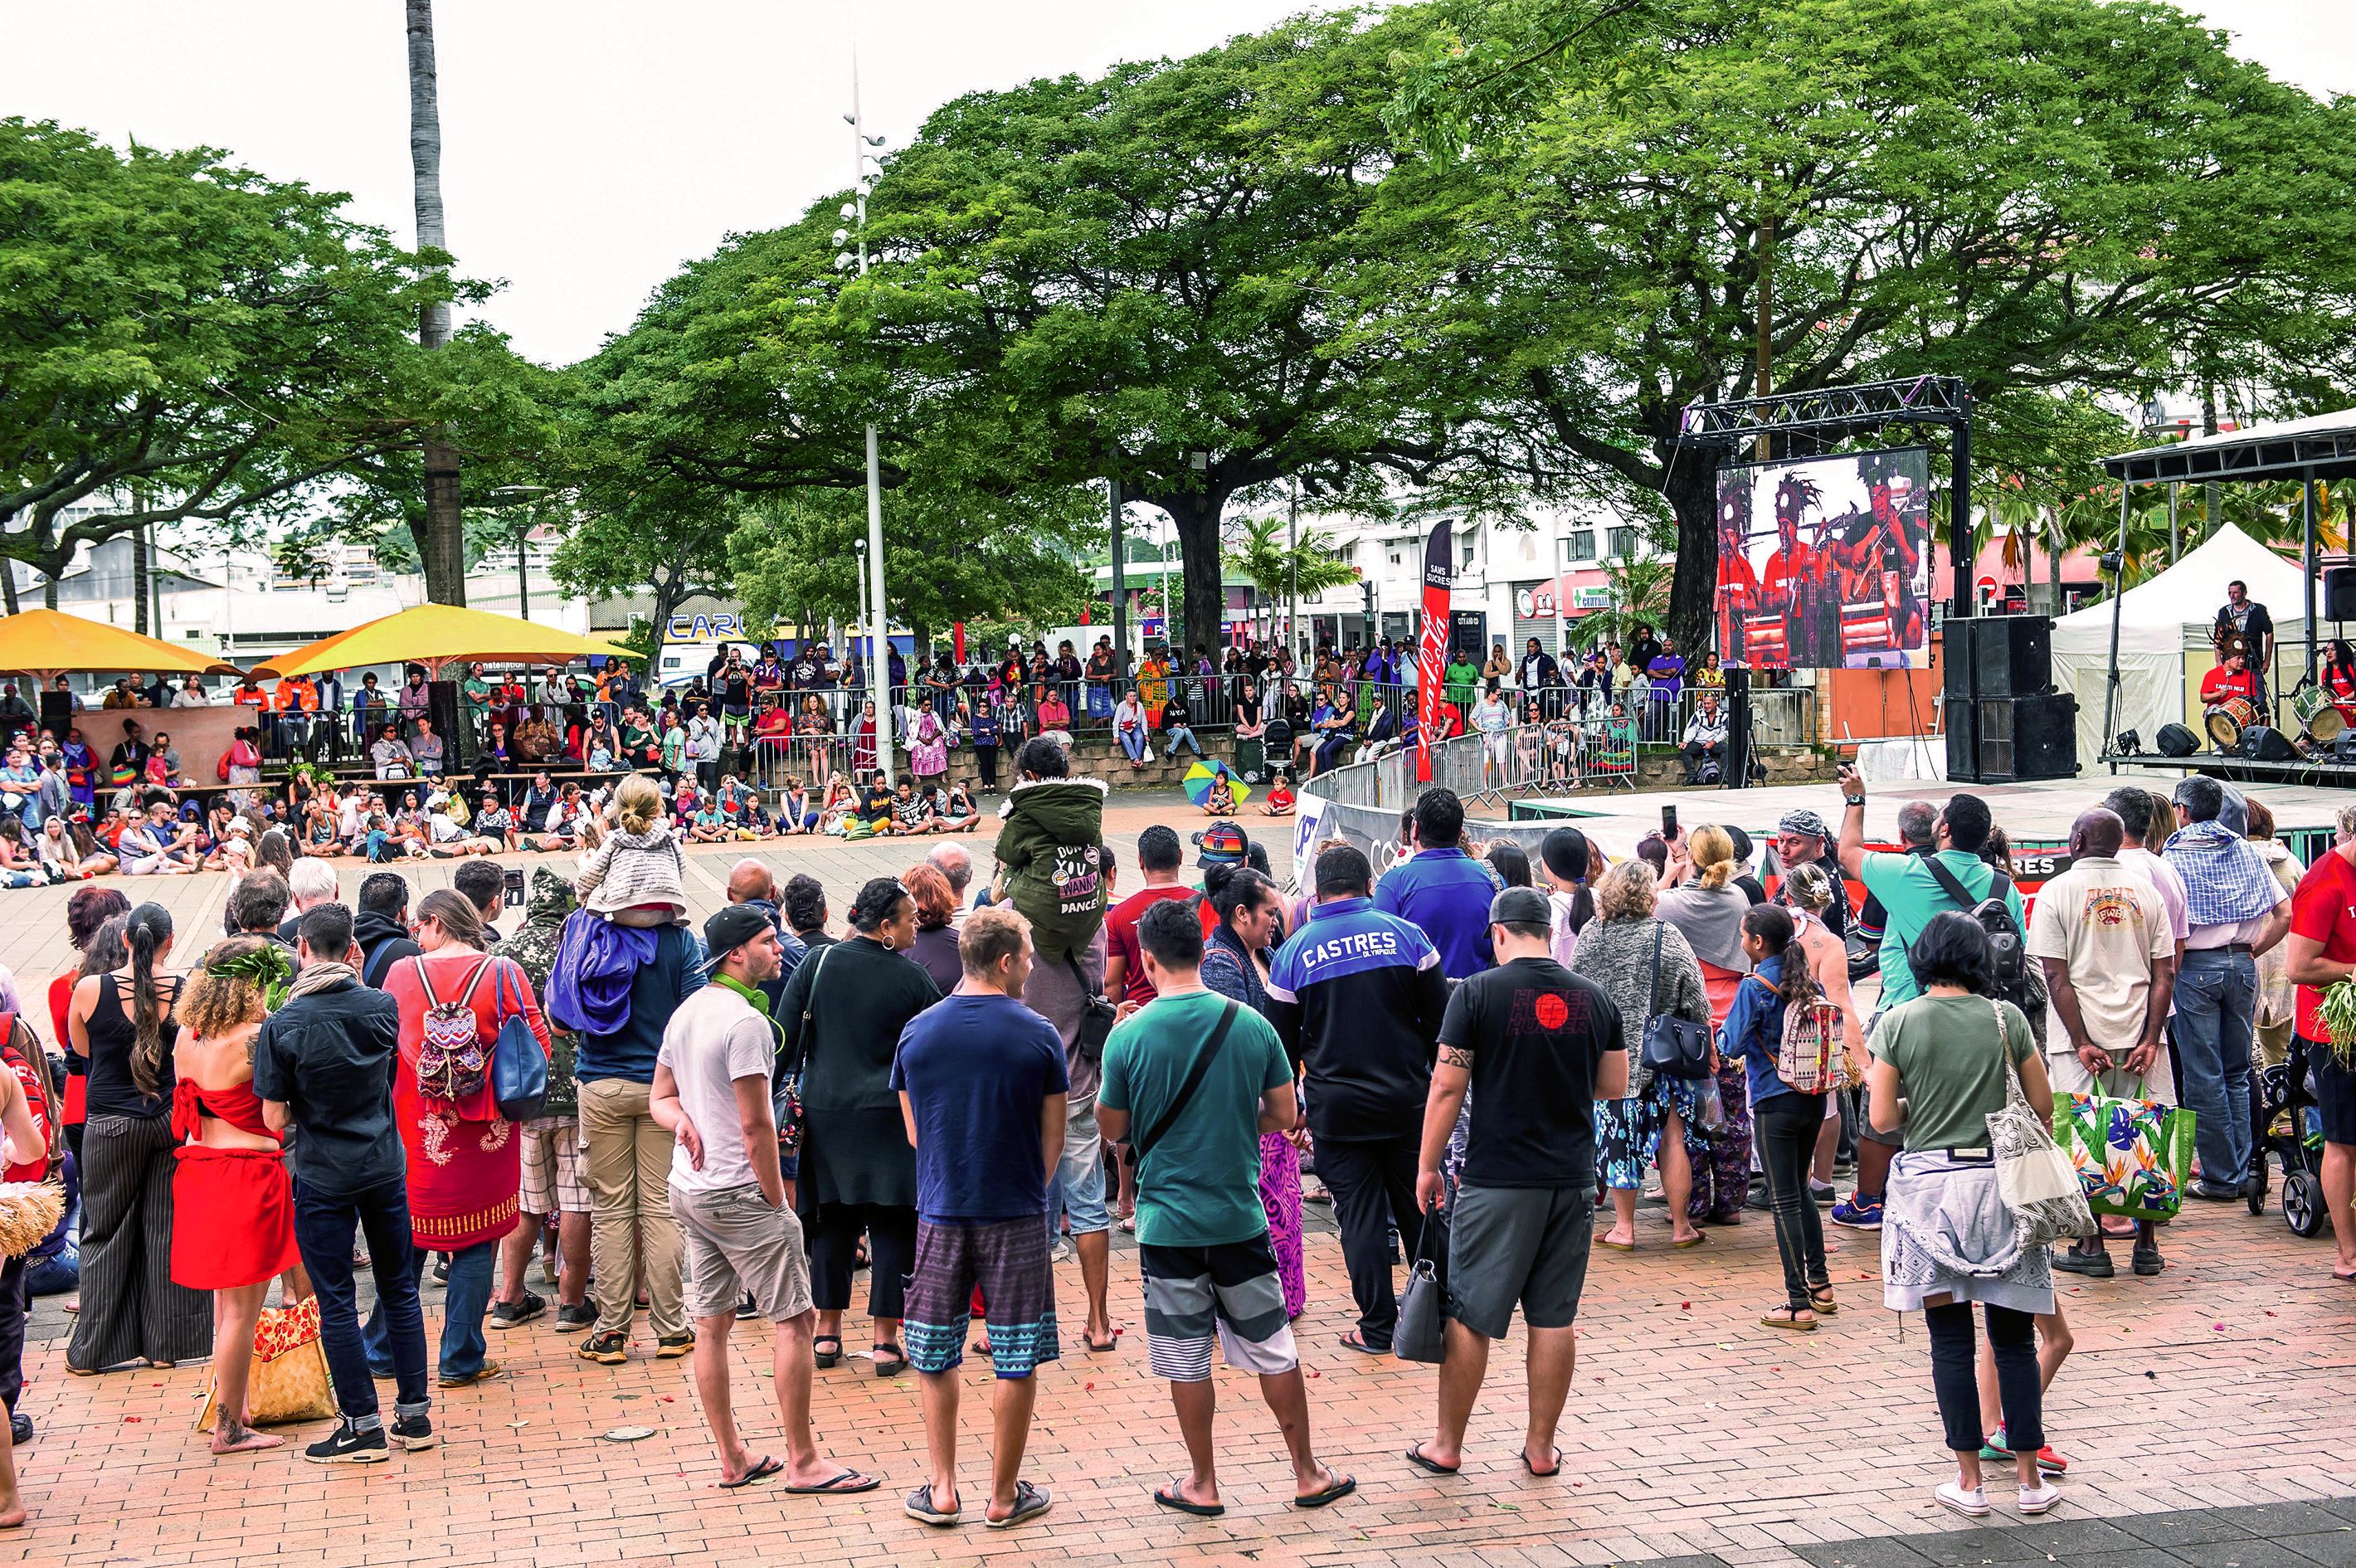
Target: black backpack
{"points": [[2008, 966]]}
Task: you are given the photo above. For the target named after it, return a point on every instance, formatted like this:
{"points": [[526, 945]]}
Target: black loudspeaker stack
{"points": [[2005, 722], [2340, 593]]}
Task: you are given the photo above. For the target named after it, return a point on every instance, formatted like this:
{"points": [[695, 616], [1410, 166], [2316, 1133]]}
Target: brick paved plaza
{"points": [[1693, 1433]]}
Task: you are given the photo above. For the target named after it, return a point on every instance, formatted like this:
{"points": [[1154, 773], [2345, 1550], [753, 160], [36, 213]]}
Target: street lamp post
{"points": [[880, 669]]}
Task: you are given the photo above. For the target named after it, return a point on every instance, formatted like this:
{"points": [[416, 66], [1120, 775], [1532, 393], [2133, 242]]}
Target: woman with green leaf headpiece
{"points": [[233, 1208]]}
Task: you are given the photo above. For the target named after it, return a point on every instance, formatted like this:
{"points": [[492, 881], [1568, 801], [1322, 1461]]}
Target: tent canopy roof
{"points": [[2320, 447], [2189, 592], [48, 643], [439, 634]]}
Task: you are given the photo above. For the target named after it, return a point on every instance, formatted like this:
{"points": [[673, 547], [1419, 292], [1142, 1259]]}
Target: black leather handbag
{"points": [[1678, 1047]]}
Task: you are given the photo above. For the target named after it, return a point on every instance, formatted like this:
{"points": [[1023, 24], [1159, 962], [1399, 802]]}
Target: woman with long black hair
{"points": [[121, 1021], [842, 1014], [1785, 1120]]}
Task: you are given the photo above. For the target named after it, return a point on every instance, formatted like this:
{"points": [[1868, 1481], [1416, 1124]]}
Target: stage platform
{"points": [[2033, 813]]}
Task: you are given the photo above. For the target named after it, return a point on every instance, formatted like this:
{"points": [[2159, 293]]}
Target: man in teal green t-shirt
{"points": [[1910, 892], [1192, 1080]]}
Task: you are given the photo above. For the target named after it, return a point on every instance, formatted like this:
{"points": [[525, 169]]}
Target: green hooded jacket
{"points": [[1046, 858]]}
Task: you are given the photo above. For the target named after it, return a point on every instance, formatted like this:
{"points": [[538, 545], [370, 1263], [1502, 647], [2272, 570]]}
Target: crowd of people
{"points": [[967, 1078]]}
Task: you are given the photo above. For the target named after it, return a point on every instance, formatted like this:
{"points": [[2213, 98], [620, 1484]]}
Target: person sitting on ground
{"points": [[912, 811], [1280, 801], [956, 811], [711, 824]]}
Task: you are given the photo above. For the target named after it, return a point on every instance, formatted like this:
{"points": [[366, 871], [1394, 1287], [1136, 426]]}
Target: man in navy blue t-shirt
{"points": [[982, 1087], [1441, 890]]}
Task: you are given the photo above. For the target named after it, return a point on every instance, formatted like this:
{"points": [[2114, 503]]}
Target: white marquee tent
{"points": [[2159, 621]]}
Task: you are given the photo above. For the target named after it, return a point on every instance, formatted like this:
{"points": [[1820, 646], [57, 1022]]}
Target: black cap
{"points": [[729, 928], [1521, 906]]}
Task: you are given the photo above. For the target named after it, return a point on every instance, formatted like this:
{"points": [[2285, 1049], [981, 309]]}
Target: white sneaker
{"points": [[2040, 1498], [1969, 1501]]}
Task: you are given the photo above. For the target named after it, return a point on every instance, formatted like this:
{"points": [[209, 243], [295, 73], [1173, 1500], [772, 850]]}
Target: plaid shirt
{"points": [[2226, 879]]}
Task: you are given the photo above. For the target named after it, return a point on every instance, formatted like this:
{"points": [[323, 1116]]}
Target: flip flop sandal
{"points": [[1542, 1475], [1618, 1246], [826, 1357], [1822, 1303], [1788, 1318], [1170, 1497], [843, 1482], [1430, 1466], [1107, 1348], [1030, 1502], [981, 1348], [1353, 1340], [1341, 1488], [1695, 1240], [919, 1507], [760, 1471]]}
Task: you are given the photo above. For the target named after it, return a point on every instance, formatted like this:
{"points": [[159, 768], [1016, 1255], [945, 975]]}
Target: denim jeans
{"points": [[324, 1226], [2216, 993], [1784, 1129], [462, 1306]]}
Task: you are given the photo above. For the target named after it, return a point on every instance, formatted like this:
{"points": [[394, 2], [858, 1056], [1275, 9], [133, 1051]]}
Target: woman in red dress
{"points": [[464, 1173], [232, 1206]]}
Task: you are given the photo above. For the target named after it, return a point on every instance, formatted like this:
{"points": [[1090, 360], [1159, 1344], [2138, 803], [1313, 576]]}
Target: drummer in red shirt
{"points": [[2231, 678]]}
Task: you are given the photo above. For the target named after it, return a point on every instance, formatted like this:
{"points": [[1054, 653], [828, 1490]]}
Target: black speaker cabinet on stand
{"points": [[1736, 771]]}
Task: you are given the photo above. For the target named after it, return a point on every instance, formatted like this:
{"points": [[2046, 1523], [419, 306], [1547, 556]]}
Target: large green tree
{"points": [[183, 341], [1183, 275], [2037, 196], [953, 556]]}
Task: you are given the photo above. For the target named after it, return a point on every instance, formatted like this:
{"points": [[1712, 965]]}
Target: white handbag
{"points": [[2040, 1187]]}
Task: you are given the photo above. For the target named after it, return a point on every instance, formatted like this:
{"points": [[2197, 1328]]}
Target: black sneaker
{"points": [[348, 1445], [20, 1428], [582, 1316], [610, 1348], [2146, 1260], [413, 1432], [513, 1313], [442, 1268], [2093, 1265]]}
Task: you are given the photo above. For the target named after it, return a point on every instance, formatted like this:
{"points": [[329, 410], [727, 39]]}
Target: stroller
{"points": [[1275, 751], [2287, 1128]]}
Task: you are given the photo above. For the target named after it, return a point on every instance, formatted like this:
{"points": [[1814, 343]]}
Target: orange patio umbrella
{"points": [[435, 635], [46, 643]]}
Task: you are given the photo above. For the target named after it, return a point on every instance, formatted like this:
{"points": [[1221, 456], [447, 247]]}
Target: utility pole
{"points": [[879, 679], [1293, 558], [1120, 589]]}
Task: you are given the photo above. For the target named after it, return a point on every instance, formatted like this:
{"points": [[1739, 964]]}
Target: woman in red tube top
{"points": [[233, 1209]]}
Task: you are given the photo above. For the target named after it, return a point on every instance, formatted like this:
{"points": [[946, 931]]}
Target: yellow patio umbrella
{"points": [[435, 635], [47, 643]]}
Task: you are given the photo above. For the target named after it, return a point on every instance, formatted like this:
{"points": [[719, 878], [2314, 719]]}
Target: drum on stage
{"points": [[2323, 722], [2225, 721]]}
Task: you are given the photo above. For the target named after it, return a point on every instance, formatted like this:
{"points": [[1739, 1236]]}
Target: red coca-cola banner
{"points": [[1432, 658]]}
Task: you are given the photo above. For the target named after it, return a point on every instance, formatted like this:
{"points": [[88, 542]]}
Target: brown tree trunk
{"points": [[1196, 517], [139, 571], [442, 536], [1691, 489]]}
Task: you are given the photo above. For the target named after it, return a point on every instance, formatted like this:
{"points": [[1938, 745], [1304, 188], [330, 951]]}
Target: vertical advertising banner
{"points": [[1825, 563], [1432, 658]]}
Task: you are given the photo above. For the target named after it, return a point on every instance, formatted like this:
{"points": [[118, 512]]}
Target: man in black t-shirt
{"points": [[1541, 1045]]}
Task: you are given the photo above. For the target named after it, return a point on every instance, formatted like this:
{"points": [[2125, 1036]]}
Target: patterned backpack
{"points": [[453, 1061]]}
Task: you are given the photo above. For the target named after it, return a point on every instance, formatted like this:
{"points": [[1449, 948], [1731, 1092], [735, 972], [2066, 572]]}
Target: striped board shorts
{"points": [[1008, 1261], [1231, 1292]]}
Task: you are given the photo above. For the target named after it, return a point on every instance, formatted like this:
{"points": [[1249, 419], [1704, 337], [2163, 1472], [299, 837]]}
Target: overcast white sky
{"points": [[590, 147]]}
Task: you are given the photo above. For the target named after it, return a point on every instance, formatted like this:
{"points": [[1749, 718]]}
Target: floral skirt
{"points": [[1628, 1132]]}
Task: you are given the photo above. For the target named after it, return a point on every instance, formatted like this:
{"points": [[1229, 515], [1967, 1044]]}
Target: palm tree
{"points": [[1275, 568], [442, 544], [1639, 590]]}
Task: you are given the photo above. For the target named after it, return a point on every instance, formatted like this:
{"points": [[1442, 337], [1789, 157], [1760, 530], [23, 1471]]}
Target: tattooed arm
{"points": [[1450, 1078]]}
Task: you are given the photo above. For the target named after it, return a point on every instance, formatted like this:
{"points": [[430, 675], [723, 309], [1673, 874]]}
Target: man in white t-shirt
{"points": [[2102, 932], [727, 1193]]}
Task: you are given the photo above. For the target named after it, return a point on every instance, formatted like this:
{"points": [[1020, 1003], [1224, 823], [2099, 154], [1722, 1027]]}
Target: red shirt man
{"points": [[2229, 679]]}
